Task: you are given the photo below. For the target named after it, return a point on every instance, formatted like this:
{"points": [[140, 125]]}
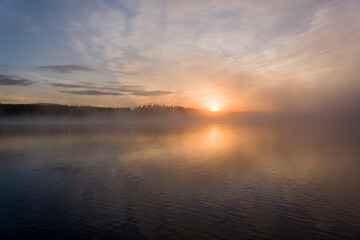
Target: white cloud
{"points": [[242, 48]]}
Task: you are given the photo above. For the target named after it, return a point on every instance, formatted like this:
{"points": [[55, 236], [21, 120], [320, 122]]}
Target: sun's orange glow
{"points": [[214, 108]]}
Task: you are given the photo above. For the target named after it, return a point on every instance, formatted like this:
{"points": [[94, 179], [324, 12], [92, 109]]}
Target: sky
{"points": [[249, 55]]}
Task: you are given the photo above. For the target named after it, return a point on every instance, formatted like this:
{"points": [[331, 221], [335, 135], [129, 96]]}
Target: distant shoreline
{"points": [[155, 113], [57, 110]]}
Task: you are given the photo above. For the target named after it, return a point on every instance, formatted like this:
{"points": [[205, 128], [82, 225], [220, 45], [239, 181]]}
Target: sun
{"points": [[214, 108]]}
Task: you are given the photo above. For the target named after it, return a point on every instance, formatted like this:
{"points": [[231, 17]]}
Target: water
{"points": [[211, 181]]}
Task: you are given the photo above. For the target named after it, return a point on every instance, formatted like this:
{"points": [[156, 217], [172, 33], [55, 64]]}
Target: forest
{"points": [[54, 110]]}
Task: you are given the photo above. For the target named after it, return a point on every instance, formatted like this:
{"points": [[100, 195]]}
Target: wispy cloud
{"points": [[92, 93], [151, 93], [244, 54], [66, 68], [72, 85], [91, 89], [6, 80]]}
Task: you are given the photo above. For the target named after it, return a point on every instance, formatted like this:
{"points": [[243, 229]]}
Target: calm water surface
{"points": [[212, 181]]}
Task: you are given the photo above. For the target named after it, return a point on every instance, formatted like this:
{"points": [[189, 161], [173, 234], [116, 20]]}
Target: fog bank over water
{"points": [[159, 114]]}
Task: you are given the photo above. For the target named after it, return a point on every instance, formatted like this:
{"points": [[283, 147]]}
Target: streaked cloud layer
{"points": [[6, 80], [240, 55], [66, 68]]}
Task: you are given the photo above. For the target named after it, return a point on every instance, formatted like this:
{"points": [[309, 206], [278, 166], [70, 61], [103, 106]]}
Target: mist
{"points": [[152, 115], [179, 119]]}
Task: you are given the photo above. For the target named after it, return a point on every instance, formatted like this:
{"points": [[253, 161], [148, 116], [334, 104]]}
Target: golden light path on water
{"points": [[147, 177]]}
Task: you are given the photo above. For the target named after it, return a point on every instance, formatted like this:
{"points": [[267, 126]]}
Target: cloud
{"points": [[6, 80], [151, 93], [245, 55], [115, 91], [66, 68], [92, 93], [124, 88], [128, 88], [72, 85]]}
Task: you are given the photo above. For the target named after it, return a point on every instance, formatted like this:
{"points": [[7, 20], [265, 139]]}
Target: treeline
{"points": [[161, 109], [53, 110]]}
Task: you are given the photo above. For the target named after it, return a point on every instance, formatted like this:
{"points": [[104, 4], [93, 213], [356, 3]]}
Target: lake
{"points": [[190, 181]]}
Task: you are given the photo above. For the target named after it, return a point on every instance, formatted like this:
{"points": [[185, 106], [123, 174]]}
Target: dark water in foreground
{"points": [[213, 181]]}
